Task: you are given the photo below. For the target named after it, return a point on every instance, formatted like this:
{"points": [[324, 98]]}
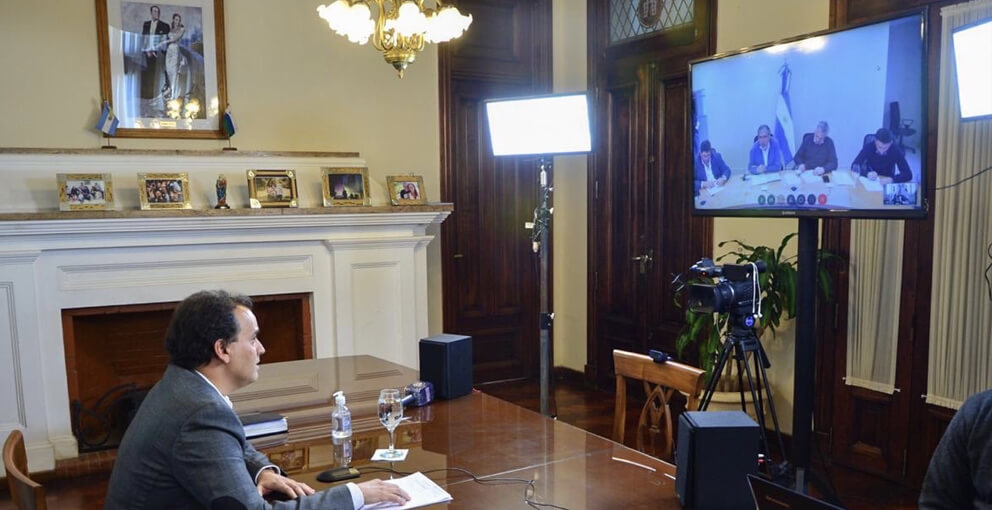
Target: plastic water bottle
{"points": [[342, 451], [340, 418]]}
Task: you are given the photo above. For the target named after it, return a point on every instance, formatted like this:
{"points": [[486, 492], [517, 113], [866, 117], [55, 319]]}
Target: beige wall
{"points": [[292, 85], [569, 286]]}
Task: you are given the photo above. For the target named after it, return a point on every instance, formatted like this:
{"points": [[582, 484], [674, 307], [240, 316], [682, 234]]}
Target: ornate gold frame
{"points": [[325, 184], [394, 185], [107, 187], [183, 179], [257, 200]]}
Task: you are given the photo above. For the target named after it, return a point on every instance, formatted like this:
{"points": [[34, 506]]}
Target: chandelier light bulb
{"points": [[409, 20], [335, 14]]}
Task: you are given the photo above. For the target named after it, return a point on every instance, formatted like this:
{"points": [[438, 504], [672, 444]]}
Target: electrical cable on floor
{"points": [[529, 490], [962, 181]]}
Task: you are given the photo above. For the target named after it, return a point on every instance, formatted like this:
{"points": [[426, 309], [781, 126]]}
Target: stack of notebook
{"points": [[263, 424]]}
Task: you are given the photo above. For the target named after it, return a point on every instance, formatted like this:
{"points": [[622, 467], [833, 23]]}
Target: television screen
{"points": [[973, 63], [832, 124], [553, 124]]}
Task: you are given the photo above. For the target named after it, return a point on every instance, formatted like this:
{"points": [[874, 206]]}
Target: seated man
{"points": [[765, 154], [186, 447], [880, 161], [960, 473], [817, 152], [709, 168]]}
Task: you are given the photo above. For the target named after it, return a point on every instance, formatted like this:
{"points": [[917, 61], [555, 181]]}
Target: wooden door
{"points": [[640, 228], [490, 272]]}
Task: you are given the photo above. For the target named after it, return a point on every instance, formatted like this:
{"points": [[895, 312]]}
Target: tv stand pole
{"points": [[802, 413]]}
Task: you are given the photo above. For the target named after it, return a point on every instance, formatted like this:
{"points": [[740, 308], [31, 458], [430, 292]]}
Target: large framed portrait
{"points": [[345, 186], [272, 188], [164, 191], [162, 66], [86, 192]]}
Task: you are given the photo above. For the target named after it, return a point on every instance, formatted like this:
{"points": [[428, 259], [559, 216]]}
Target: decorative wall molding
{"points": [[10, 314]]}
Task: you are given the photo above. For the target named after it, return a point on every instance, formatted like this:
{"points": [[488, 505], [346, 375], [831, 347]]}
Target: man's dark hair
{"points": [[705, 146], [883, 135], [765, 128], [198, 322], [155, 7]]}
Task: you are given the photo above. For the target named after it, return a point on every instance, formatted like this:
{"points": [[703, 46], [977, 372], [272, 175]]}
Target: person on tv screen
{"points": [[710, 169], [880, 160], [765, 155], [817, 152]]}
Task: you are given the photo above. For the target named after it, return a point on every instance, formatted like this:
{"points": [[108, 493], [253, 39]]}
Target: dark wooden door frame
{"points": [[662, 59], [518, 65]]}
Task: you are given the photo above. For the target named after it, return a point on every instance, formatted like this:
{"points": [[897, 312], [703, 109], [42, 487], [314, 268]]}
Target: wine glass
{"points": [[390, 415]]}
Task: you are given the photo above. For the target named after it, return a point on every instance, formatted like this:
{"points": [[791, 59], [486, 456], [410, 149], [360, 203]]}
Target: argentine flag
{"points": [[227, 124], [785, 133], [108, 121]]}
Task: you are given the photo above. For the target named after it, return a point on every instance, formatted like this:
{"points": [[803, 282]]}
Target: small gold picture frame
{"points": [[406, 190], [345, 186], [164, 191], [272, 188], [86, 192]]}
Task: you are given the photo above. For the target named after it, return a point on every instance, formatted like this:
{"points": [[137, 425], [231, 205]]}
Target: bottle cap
{"points": [[339, 398]]}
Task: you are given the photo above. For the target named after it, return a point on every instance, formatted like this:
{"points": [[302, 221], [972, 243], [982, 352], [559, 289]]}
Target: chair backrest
{"points": [[25, 493], [661, 381], [869, 138]]}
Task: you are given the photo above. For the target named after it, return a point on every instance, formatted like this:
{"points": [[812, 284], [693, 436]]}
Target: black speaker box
{"points": [[446, 362], [716, 450]]}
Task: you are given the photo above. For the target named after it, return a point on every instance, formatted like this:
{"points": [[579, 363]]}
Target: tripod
{"points": [[739, 341]]}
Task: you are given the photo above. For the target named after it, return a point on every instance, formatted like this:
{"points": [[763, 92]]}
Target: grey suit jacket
{"points": [[186, 449]]}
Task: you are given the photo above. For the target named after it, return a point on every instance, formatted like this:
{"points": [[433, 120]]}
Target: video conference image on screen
{"points": [[827, 124]]}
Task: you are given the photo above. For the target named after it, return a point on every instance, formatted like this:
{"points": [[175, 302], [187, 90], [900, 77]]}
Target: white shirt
{"points": [[708, 167], [764, 153], [357, 498]]}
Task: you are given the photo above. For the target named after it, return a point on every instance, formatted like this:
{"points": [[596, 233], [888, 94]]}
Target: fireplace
{"points": [[114, 354]]}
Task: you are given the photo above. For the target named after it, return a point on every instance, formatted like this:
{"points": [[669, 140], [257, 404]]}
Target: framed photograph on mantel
{"points": [[345, 186], [272, 188], [162, 66], [164, 191], [86, 192], [406, 190]]}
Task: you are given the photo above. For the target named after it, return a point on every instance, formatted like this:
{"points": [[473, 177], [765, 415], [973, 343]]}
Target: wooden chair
{"points": [[661, 380], [25, 493]]}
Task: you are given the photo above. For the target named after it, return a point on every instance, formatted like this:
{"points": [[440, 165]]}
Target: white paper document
{"points": [[764, 178], [792, 179], [842, 178], [714, 190], [870, 185], [422, 490], [811, 178]]}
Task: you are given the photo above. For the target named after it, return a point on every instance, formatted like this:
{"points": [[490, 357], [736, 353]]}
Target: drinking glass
{"points": [[390, 415]]}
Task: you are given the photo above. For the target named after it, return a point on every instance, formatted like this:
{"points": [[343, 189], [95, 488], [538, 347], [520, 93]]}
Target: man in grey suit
{"points": [[186, 447]]}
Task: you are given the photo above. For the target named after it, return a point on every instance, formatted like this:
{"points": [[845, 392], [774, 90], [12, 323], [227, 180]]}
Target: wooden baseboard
{"points": [[569, 375]]}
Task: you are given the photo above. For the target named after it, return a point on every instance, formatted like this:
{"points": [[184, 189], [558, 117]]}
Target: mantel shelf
{"points": [[439, 207]]}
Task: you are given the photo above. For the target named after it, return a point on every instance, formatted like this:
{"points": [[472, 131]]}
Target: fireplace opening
{"points": [[115, 354]]}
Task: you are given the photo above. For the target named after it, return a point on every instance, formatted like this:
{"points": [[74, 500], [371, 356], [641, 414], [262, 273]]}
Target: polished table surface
{"points": [[490, 438]]}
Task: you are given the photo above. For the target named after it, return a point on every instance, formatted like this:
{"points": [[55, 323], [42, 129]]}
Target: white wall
{"points": [[293, 85], [743, 23]]}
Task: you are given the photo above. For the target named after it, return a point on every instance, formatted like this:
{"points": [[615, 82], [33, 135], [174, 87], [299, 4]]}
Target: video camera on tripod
{"points": [[737, 291]]}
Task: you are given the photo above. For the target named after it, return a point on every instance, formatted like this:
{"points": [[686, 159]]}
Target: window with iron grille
{"points": [[636, 18]]}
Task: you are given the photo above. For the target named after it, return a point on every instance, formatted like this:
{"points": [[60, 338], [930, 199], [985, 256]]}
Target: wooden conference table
{"points": [[479, 433]]}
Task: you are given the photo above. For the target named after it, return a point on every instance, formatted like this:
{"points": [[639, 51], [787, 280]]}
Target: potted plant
{"points": [[778, 302]]}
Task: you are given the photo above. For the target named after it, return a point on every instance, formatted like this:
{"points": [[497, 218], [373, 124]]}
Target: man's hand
{"points": [[818, 170], [721, 181], [761, 169], [873, 175], [801, 167], [376, 490], [706, 184], [269, 481]]}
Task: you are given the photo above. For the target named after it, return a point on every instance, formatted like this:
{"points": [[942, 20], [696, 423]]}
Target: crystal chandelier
{"points": [[399, 30]]}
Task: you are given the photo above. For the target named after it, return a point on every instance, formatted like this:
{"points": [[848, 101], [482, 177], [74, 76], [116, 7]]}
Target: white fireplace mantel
{"points": [[366, 271]]}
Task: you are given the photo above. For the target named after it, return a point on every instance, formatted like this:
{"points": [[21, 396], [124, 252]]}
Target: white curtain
{"points": [[960, 361], [873, 304]]}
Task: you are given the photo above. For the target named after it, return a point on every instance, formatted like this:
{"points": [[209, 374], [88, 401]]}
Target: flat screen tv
{"points": [[828, 124]]}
